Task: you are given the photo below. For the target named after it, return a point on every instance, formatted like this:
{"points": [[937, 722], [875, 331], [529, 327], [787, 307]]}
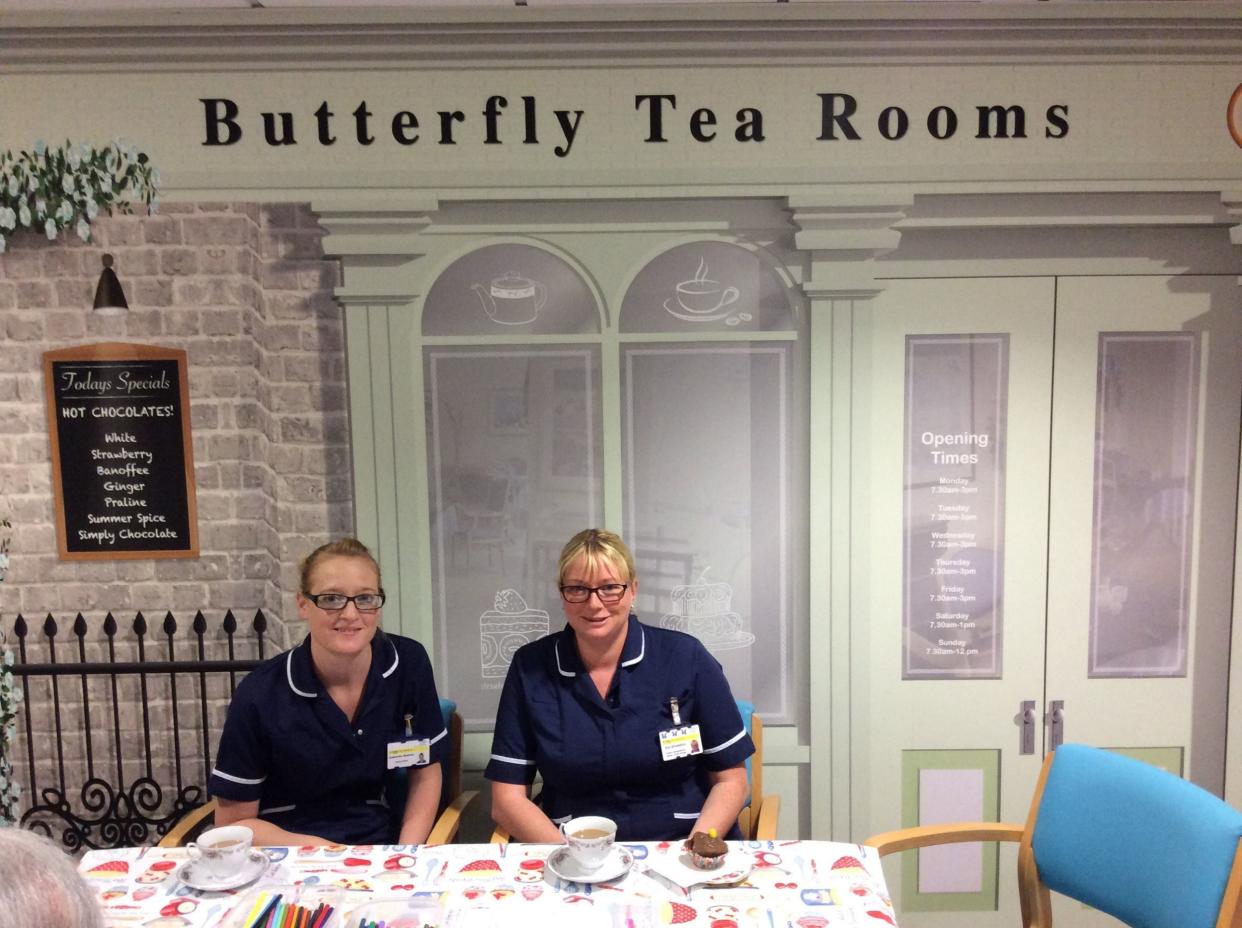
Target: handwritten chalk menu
{"points": [[123, 470], [956, 401]]}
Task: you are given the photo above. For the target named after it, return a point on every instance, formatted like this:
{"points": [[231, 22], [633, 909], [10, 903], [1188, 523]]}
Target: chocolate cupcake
{"points": [[707, 851]]}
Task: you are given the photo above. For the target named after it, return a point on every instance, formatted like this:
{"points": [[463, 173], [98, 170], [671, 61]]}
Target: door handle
{"points": [[1055, 720], [1026, 725]]}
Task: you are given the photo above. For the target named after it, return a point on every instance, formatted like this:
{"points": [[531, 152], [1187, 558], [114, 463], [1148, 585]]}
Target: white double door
{"points": [[1102, 517]]}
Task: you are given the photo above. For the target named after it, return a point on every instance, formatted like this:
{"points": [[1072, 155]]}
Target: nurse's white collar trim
{"points": [[642, 649], [563, 672], [289, 675], [396, 659]]}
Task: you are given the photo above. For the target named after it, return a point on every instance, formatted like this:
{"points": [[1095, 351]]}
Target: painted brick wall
{"points": [[246, 291]]}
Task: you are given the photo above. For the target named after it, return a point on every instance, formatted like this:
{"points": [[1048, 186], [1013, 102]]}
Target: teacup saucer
{"points": [[615, 865], [673, 308], [194, 875]]}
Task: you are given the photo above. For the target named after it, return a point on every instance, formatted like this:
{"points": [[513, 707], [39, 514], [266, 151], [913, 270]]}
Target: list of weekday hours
{"points": [[956, 399], [121, 451]]}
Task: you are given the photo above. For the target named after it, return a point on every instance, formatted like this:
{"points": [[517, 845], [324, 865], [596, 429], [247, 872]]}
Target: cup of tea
{"points": [[704, 296], [590, 839], [222, 852]]}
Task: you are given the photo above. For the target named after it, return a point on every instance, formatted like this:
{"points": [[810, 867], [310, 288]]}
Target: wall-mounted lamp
{"points": [[109, 297]]}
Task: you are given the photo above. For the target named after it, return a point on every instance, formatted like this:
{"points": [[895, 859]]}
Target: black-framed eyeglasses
{"points": [[609, 594], [335, 602]]}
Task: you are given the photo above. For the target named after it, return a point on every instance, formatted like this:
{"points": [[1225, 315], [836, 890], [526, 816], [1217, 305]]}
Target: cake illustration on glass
{"points": [[505, 628], [705, 610]]}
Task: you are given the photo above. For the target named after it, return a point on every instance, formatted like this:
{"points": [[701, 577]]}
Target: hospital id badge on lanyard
{"points": [[681, 740], [412, 752]]}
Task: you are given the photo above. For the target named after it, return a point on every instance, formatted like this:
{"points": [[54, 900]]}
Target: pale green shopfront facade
{"points": [[1116, 212]]}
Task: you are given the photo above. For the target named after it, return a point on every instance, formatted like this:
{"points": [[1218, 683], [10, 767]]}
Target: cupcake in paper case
{"points": [[707, 851], [505, 628]]}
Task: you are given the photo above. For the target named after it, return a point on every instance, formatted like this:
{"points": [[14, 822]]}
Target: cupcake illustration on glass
{"points": [[512, 299], [506, 628], [705, 610]]}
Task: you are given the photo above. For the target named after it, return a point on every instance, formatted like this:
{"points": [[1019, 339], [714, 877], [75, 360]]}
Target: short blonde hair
{"points": [[596, 545], [344, 547]]}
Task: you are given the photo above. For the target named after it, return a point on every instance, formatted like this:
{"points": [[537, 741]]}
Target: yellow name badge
{"points": [[413, 753], [681, 742]]}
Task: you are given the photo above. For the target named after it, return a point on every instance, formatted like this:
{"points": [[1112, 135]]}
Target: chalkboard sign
{"points": [[122, 463]]}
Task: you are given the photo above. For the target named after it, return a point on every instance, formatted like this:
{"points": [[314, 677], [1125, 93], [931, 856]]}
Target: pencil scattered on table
{"points": [[270, 911]]}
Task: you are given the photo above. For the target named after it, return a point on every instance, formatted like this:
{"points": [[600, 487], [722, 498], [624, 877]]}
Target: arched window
{"points": [[677, 415]]}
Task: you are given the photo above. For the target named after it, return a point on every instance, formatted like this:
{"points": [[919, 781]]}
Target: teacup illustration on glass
{"points": [[512, 299], [704, 299]]}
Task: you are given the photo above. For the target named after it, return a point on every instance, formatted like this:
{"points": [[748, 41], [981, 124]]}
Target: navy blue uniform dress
{"points": [[602, 756], [288, 745]]}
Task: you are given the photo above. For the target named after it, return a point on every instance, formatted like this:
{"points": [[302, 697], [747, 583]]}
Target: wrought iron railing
{"points": [[124, 788]]}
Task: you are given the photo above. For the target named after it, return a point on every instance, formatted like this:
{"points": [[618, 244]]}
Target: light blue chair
{"points": [[1127, 838], [757, 821], [453, 801]]}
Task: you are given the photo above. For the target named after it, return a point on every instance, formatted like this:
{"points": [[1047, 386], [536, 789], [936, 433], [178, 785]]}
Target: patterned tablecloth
{"points": [[793, 884]]}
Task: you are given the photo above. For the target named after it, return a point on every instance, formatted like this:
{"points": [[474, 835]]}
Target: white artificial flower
{"points": [[14, 186], [24, 214], [32, 183], [84, 230], [155, 177], [8, 218], [110, 160], [105, 184], [50, 228], [66, 183], [3, 244], [65, 213], [40, 207], [92, 209], [74, 158]]}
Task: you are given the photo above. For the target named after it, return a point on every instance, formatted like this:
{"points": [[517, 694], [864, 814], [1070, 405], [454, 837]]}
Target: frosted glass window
{"points": [[710, 497], [509, 289], [1146, 417], [705, 287], [514, 462]]}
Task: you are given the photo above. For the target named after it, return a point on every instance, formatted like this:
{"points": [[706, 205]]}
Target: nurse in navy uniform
{"points": [[316, 737], [621, 719]]}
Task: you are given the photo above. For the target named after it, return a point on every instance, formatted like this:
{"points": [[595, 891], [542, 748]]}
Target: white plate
{"points": [[615, 865], [682, 871], [193, 874]]}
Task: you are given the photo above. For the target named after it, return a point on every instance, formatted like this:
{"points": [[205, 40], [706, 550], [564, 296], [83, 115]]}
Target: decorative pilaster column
{"points": [[379, 242], [842, 233]]}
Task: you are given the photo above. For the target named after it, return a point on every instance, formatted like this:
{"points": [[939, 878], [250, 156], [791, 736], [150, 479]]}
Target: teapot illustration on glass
{"points": [[512, 299]]}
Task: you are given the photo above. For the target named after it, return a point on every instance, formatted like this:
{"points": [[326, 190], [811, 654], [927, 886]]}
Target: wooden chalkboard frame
{"points": [[120, 352]]}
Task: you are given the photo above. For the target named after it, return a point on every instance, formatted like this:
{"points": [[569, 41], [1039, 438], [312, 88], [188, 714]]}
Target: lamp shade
{"points": [[109, 297]]}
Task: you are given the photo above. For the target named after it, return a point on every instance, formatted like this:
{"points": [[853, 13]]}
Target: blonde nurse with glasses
{"points": [[621, 719], [317, 737]]}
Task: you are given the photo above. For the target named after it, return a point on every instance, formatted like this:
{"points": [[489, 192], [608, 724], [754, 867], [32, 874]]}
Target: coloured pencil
{"points": [[264, 916]]}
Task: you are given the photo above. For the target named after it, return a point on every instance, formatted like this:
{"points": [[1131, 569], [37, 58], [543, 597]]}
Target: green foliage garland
{"points": [[56, 189]]}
